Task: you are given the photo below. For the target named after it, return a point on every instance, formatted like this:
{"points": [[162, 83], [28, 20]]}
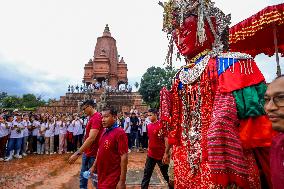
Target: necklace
{"points": [[190, 75]]}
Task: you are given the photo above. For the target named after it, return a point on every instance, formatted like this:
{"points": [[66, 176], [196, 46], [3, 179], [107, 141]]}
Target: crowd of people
{"points": [[26, 133], [122, 88], [22, 134]]}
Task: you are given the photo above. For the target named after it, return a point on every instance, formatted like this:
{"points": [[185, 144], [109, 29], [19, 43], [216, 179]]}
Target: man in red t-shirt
{"points": [[90, 146], [112, 157], [158, 150]]}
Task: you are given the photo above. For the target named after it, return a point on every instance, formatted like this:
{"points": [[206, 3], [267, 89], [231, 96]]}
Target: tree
{"points": [[2, 96], [31, 101], [26, 101], [152, 82], [12, 102]]}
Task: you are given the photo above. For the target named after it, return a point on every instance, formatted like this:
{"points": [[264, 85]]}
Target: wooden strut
{"points": [[278, 72]]}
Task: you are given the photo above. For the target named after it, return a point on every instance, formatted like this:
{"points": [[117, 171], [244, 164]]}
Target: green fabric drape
{"points": [[250, 101]]}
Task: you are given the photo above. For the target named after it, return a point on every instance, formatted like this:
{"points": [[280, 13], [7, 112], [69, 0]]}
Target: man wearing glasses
{"points": [[274, 107], [89, 148]]}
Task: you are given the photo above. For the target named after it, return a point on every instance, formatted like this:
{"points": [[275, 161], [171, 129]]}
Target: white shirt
{"points": [[57, 126], [26, 130], [10, 126], [49, 129], [36, 124], [70, 127], [144, 127], [62, 129], [127, 120], [3, 130], [42, 129], [17, 132], [78, 129]]}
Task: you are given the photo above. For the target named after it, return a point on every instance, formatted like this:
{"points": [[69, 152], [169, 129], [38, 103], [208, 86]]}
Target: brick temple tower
{"points": [[106, 65]]}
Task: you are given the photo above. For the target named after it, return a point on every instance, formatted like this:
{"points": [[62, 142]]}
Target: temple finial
{"points": [[106, 31], [106, 28]]}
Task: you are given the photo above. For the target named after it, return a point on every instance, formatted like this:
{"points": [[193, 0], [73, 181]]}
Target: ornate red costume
{"points": [[215, 99]]}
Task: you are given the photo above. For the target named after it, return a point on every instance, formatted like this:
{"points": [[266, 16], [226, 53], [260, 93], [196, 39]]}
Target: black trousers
{"points": [[78, 139], [149, 168], [145, 140], [34, 144], [56, 143], [81, 136], [129, 140]]}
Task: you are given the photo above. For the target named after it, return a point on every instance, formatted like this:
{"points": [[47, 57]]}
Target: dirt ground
{"points": [[53, 171]]}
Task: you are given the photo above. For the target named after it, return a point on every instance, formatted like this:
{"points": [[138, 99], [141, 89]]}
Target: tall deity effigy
{"points": [[214, 112]]}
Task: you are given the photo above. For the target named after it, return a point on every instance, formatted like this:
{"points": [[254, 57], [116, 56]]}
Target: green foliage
{"points": [[11, 102], [26, 102], [31, 101], [2, 96], [152, 82]]}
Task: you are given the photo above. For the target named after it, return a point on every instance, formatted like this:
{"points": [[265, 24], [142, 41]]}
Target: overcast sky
{"points": [[44, 44]]}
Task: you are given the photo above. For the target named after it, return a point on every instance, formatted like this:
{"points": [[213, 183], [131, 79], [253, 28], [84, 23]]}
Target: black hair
{"points": [[89, 102], [7, 117], [111, 110], [153, 110]]}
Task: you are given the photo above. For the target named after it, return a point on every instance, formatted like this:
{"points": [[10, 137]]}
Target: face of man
{"points": [[274, 104], [152, 117], [87, 109], [108, 119]]}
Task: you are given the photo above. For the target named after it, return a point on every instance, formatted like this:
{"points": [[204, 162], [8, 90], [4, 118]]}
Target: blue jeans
{"points": [[135, 139], [87, 163], [14, 144]]}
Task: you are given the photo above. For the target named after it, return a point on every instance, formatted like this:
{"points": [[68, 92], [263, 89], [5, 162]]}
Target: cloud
{"points": [[267, 66], [18, 79]]}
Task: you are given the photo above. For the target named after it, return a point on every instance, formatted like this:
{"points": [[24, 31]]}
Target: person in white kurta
{"points": [[49, 136], [15, 140], [4, 132], [26, 123], [35, 130], [77, 131], [62, 137]]}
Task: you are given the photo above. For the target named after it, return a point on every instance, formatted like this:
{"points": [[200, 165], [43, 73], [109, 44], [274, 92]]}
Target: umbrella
{"points": [[261, 33]]}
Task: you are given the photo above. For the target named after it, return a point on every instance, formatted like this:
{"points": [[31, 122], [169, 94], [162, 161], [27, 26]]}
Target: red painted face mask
{"points": [[186, 38]]}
